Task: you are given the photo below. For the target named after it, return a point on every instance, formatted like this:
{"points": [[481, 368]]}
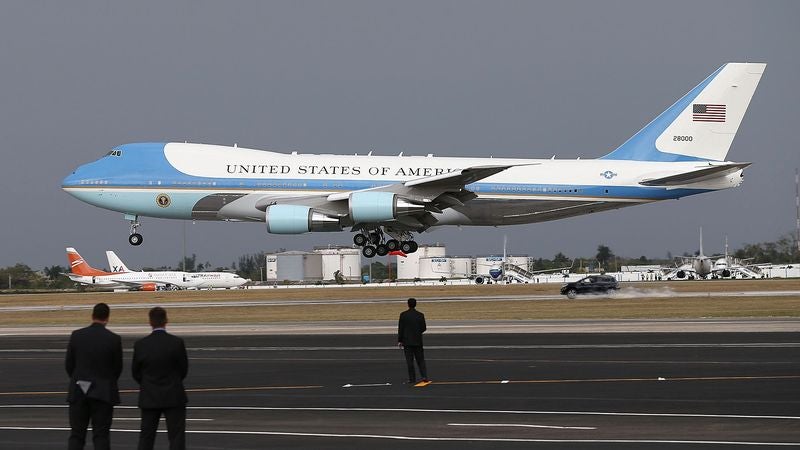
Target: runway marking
{"points": [[617, 380], [445, 411], [518, 425], [445, 383], [431, 438]]}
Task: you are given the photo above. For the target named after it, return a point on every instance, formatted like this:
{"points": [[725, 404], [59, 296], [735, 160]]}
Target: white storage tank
{"points": [[434, 267], [312, 267], [460, 266], [271, 274], [485, 263], [408, 267], [290, 266], [346, 260]]}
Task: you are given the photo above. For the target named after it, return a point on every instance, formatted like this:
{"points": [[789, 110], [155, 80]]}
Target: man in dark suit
{"points": [[159, 366], [93, 363], [409, 337]]}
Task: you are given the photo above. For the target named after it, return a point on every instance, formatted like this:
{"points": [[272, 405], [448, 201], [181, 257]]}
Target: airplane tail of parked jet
{"points": [[115, 263], [702, 124], [79, 266]]}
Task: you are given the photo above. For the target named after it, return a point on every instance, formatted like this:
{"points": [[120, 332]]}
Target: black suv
{"points": [[595, 284]]}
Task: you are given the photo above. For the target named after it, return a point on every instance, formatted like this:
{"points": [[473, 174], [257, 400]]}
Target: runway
{"points": [[513, 390]]}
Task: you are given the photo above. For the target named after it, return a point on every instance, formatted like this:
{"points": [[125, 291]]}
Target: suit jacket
{"points": [[94, 354], [159, 366], [410, 327]]}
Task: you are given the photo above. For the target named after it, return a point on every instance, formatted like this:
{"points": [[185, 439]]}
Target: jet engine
{"points": [[726, 273], [297, 219], [680, 275], [373, 207], [149, 287]]}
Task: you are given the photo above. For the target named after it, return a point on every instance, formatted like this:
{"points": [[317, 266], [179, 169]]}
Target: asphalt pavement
{"points": [[544, 390]]}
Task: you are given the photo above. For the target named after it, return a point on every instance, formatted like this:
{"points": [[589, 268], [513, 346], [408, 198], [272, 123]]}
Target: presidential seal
{"points": [[163, 200]]}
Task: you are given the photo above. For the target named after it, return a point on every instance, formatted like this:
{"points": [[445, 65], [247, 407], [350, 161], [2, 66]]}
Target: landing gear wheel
{"points": [[406, 247], [368, 251], [382, 250], [135, 239], [375, 238], [392, 244], [414, 246], [360, 240]]}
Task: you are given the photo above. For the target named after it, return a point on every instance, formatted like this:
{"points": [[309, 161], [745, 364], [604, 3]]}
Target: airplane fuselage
{"points": [[209, 182]]}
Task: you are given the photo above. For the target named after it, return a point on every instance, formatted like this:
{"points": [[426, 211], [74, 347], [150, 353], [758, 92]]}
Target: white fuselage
{"points": [[198, 181]]}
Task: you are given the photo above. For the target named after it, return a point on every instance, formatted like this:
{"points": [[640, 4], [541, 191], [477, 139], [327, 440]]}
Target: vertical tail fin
{"points": [[701, 242], [78, 266], [702, 124], [115, 263]]}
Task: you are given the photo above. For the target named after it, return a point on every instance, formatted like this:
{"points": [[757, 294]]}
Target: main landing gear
{"points": [[375, 243], [135, 238]]}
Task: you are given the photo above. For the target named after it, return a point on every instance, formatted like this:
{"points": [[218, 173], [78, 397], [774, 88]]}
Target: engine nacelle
{"points": [[680, 275], [726, 273], [149, 287], [297, 219], [380, 206]]}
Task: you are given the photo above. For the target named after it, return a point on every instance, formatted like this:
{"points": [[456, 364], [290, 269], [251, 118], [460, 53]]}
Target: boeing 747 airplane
{"points": [[384, 200]]}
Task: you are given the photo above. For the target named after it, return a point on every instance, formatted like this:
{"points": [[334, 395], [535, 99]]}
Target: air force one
{"points": [[122, 278], [386, 199]]}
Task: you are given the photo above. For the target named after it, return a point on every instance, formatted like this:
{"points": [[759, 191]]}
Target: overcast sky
{"points": [[453, 78]]}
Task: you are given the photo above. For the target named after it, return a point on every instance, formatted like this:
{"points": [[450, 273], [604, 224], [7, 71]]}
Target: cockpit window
{"points": [[114, 153]]}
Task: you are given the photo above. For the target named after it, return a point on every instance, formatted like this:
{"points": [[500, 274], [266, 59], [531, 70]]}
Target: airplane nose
{"points": [[70, 180]]}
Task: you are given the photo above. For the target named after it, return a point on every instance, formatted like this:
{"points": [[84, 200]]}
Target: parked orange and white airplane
{"points": [[81, 272], [196, 280]]}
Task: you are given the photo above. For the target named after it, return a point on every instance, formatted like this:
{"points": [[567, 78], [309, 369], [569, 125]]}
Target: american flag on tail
{"points": [[708, 113]]}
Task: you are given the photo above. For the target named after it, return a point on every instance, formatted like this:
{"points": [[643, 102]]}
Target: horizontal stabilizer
{"points": [[696, 176]]}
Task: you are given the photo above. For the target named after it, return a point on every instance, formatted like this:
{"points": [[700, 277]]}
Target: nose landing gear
{"points": [[135, 238], [374, 242]]}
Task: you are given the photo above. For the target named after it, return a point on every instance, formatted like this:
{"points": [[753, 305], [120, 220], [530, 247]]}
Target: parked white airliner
{"points": [[196, 280], [81, 272], [385, 199]]}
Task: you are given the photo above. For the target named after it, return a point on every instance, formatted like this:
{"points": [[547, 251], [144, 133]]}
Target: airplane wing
{"points": [[434, 193], [136, 284], [695, 176]]}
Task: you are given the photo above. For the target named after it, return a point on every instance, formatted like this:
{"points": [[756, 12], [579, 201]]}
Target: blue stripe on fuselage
{"points": [[143, 165]]}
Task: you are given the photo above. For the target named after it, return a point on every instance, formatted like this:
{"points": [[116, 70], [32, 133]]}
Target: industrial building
{"points": [[432, 263], [321, 264]]}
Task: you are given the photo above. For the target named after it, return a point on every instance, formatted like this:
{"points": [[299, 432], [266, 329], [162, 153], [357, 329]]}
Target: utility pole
{"points": [[797, 207], [183, 261]]}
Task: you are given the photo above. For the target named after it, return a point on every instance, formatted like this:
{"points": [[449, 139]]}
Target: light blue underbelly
{"points": [[144, 203]]}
